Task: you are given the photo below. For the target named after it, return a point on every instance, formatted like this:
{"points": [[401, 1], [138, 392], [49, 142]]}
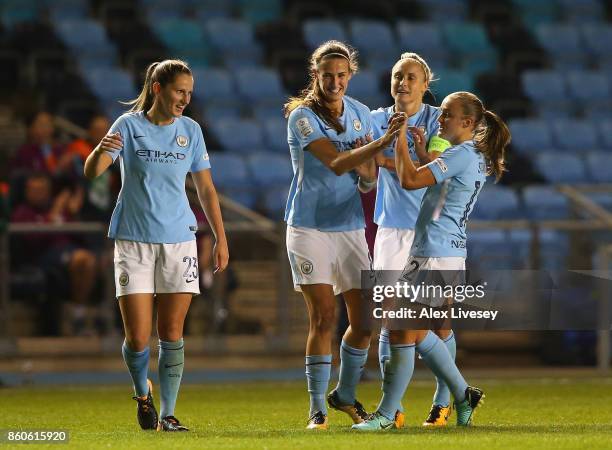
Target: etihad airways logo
{"points": [[157, 156]]}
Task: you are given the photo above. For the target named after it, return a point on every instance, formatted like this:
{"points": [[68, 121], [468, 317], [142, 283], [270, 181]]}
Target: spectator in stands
{"points": [[99, 196], [40, 153], [58, 250], [325, 225]]}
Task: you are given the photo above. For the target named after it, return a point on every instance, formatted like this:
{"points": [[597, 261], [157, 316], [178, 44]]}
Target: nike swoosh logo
{"points": [[384, 427], [383, 128], [189, 281], [139, 136], [167, 366]]}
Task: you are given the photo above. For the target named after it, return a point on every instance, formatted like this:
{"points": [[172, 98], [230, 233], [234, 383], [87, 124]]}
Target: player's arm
{"points": [[207, 194], [409, 176], [99, 160], [342, 162]]}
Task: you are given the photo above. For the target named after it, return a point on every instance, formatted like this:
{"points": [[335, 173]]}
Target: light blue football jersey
{"points": [[152, 205], [318, 198], [397, 207], [460, 174]]}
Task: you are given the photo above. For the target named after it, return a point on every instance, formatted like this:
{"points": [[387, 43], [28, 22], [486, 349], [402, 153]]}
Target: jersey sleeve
{"points": [[376, 120], [121, 127], [200, 154], [450, 163], [305, 126]]}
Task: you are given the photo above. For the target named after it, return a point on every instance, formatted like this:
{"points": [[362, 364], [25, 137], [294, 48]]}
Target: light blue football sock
{"points": [[138, 365], [398, 372], [318, 369], [437, 357], [384, 350], [171, 364], [442, 395], [352, 362]]}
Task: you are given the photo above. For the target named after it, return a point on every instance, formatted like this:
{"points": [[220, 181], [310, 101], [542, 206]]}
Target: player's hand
{"points": [[396, 122], [112, 142], [220, 256], [418, 136]]}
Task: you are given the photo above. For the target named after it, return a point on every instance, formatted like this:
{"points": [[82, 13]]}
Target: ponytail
{"points": [[163, 73]]}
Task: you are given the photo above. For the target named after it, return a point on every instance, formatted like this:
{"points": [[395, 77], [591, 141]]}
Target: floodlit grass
{"points": [[517, 414]]}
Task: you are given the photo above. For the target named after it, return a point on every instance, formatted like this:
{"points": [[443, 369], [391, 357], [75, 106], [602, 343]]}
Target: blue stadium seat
{"points": [[592, 90], [561, 167], [376, 42], [424, 38], [266, 111], [583, 11], [451, 81], [446, 10], [563, 45], [257, 12], [605, 130], [536, 12], [59, 10], [275, 135], [317, 31], [545, 202], [489, 249], [232, 178], [599, 166], [270, 169], [241, 135], [110, 85], [520, 239], [598, 39], [497, 202], [365, 87], [554, 250], [530, 135], [88, 41], [470, 44], [274, 202], [547, 90], [207, 9], [260, 85], [574, 135], [234, 40], [17, 12], [216, 85]]}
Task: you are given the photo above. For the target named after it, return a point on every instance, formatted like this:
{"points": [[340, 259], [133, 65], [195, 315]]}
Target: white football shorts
{"points": [[392, 248], [146, 268], [325, 257]]}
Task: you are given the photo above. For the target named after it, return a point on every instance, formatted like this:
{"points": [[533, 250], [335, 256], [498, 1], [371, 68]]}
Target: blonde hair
{"points": [[429, 75], [312, 97]]}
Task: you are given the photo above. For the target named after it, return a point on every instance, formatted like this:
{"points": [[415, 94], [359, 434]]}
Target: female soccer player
{"points": [[325, 233], [396, 209], [154, 228], [478, 138]]}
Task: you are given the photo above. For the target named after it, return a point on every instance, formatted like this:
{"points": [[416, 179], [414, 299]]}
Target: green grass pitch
{"points": [[517, 414]]}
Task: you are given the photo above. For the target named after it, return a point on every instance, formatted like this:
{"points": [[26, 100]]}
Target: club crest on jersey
{"points": [[441, 164], [124, 279], [304, 127], [357, 125], [306, 267], [182, 141]]}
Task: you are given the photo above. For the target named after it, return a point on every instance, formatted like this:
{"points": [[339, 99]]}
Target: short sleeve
{"points": [[305, 126], [200, 154], [121, 127], [377, 118], [451, 163]]}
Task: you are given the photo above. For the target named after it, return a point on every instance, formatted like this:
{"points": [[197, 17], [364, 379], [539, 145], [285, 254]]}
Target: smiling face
{"points": [[172, 99], [333, 75], [408, 82], [455, 126]]}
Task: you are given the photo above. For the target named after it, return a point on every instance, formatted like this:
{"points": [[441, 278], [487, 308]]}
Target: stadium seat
{"points": [[563, 45], [364, 86], [470, 44], [317, 31], [445, 10], [257, 12], [605, 129], [232, 178], [259, 85], [584, 11], [424, 38], [207, 9], [234, 40], [574, 135], [240, 135], [547, 90], [266, 111], [553, 250], [520, 240], [451, 81], [274, 202], [560, 167], [376, 42], [598, 39], [275, 135], [537, 12], [216, 85], [67, 10], [270, 169], [530, 135], [111, 84], [497, 203], [545, 202], [488, 249], [591, 89], [599, 167], [17, 12]]}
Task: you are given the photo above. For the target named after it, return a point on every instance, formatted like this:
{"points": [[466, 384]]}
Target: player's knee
{"points": [[137, 343], [323, 321], [170, 332]]}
